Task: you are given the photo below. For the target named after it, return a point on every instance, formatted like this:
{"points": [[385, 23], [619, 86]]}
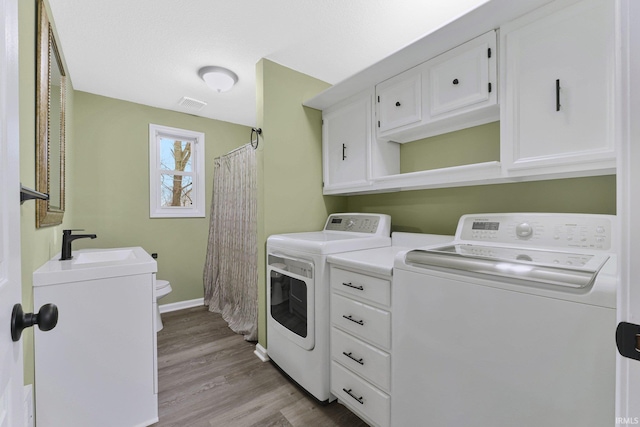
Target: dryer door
{"points": [[290, 299]]}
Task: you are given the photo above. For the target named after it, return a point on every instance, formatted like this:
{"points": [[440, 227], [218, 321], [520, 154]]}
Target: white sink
{"points": [[90, 257], [95, 264]]}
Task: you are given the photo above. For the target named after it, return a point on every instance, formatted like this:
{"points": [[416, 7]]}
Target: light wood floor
{"points": [[208, 377]]}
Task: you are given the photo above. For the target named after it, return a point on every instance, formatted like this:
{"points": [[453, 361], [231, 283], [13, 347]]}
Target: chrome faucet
{"points": [[67, 238]]}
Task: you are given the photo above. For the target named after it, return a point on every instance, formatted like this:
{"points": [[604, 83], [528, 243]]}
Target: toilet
{"points": [[163, 288]]}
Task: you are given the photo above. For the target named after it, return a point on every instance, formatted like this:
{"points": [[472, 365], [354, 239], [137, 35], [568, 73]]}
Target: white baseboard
{"points": [[181, 305], [261, 352]]}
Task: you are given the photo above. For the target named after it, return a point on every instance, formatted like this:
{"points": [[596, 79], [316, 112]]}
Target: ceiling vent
{"points": [[192, 104]]}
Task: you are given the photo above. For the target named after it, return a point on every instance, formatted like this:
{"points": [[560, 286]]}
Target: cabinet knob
{"points": [[456, 81], [46, 319], [397, 103]]}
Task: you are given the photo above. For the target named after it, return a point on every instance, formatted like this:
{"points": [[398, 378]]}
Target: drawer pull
{"points": [[350, 285], [359, 399], [360, 361], [359, 322]]}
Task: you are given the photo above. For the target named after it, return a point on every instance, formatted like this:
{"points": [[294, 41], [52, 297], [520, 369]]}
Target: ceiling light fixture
{"points": [[218, 78]]}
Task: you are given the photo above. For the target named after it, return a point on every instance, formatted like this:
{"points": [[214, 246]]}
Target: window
{"points": [[176, 172]]}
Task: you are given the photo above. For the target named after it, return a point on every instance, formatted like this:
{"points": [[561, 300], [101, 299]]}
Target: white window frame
{"points": [[156, 210]]}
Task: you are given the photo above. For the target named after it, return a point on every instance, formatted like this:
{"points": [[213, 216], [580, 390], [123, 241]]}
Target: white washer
{"points": [[298, 293], [512, 323]]}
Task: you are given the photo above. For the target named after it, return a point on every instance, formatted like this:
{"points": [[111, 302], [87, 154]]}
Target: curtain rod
{"points": [[254, 143]]}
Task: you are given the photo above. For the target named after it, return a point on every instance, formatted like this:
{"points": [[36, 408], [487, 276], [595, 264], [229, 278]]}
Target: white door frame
{"points": [[11, 357], [628, 208]]}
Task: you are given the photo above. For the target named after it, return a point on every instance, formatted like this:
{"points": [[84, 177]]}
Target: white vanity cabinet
{"points": [[361, 343], [451, 91], [98, 366], [557, 80]]}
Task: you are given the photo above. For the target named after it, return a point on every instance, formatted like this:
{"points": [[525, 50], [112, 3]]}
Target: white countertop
{"points": [[92, 264], [380, 260]]}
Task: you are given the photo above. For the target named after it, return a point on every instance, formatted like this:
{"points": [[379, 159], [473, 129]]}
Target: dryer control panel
{"points": [[360, 223], [570, 231]]}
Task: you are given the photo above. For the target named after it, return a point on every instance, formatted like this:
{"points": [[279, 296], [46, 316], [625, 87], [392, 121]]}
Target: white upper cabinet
{"points": [[346, 135], [548, 70], [452, 91], [399, 101], [463, 78], [557, 83], [352, 158]]}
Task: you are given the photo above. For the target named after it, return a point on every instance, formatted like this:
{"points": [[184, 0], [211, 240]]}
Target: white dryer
{"points": [[513, 323], [298, 293]]}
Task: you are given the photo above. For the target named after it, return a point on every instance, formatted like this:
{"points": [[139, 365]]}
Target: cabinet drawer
{"points": [[359, 396], [365, 360], [361, 286], [364, 321]]}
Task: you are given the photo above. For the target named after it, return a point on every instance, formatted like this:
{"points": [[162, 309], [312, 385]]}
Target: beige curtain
{"points": [[231, 267]]}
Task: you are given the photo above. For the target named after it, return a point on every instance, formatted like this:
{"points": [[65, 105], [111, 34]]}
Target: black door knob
{"points": [[46, 319]]}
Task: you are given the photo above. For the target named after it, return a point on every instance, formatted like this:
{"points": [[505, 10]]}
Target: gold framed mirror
{"points": [[50, 117]]}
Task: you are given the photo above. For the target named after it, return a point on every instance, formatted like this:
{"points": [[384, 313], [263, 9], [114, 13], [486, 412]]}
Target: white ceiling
{"points": [[150, 51]]}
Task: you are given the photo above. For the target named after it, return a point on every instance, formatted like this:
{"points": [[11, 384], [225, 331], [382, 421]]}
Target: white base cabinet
{"points": [[361, 344]]}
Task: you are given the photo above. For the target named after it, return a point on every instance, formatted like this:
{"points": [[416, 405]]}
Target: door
{"points": [[628, 372], [11, 377], [346, 134], [399, 101], [552, 114], [290, 299], [463, 77]]}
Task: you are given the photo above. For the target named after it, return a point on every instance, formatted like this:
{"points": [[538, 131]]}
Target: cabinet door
{"points": [[346, 134], [558, 81], [463, 77], [399, 100]]}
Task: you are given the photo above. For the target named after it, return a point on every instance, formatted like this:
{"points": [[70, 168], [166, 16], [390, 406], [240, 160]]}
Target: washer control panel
{"points": [[585, 231], [359, 223]]}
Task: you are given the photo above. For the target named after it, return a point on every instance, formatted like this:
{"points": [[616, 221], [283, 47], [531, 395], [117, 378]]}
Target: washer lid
{"points": [[327, 242], [550, 267]]}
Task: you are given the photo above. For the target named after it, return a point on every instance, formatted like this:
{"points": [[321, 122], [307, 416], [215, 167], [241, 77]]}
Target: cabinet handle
{"points": [[359, 322], [398, 103], [344, 152], [558, 95], [353, 358], [456, 81], [360, 287], [359, 399]]}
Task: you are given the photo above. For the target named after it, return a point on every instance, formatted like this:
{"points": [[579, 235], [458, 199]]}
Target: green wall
{"points": [[37, 245], [473, 145], [437, 211], [290, 162], [111, 185]]}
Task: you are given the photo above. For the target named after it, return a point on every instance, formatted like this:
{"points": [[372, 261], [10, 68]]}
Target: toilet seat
{"points": [[163, 287]]}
